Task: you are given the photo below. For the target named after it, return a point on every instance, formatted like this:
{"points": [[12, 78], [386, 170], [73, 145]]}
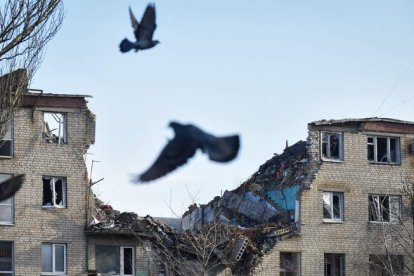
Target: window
{"points": [[332, 147], [7, 205], [6, 258], [386, 265], [333, 205], [383, 150], [289, 264], [334, 264], [53, 259], [384, 208], [6, 144], [54, 192], [114, 259], [54, 127]]}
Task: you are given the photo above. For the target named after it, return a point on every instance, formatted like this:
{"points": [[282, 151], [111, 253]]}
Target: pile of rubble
{"points": [[233, 231]]}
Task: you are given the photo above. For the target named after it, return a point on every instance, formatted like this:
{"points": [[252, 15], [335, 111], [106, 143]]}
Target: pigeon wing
{"points": [[147, 26], [9, 187], [176, 153], [134, 21]]}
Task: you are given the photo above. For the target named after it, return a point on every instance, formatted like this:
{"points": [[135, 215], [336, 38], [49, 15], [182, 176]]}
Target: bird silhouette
{"points": [[187, 139], [143, 31], [10, 186]]}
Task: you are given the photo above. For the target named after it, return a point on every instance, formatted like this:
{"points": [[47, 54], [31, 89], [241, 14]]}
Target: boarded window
{"points": [[54, 128], [54, 192]]}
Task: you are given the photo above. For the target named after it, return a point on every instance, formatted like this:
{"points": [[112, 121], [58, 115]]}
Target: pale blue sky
{"points": [[263, 69]]}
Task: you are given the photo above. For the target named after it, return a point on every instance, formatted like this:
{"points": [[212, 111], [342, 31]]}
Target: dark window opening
{"points": [[383, 150], [289, 264], [6, 258], [332, 146], [112, 259], [334, 265], [384, 208], [54, 192], [6, 144]]}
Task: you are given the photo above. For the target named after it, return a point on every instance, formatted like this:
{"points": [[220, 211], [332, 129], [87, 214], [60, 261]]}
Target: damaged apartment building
{"points": [[334, 205], [42, 227]]}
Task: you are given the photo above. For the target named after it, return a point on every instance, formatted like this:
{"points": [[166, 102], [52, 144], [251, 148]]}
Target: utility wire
{"points": [[398, 105], [395, 85]]}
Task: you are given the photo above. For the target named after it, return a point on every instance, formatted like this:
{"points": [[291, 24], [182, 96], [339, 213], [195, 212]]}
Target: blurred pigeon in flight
{"points": [[9, 187], [187, 139], [143, 31]]}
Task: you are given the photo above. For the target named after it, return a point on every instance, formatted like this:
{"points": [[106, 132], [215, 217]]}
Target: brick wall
{"points": [[33, 224]]}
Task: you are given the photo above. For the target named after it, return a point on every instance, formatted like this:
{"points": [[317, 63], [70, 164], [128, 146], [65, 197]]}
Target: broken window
{"points": [[54, 192], [112, 259], [333, 204], [6, 144], [54, 127], [6, 206], [334, 264], [384, 208], [289, 264], [383, 149], [386, 265], [54, 259], [6, 258], [331, 146]]}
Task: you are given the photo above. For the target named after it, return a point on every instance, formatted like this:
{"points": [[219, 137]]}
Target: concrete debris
{"points": [[232, 231]]}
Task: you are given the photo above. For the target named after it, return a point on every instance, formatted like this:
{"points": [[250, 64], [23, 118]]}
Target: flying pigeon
{"points": [[9, 187], [187, 139], [143, 31]]}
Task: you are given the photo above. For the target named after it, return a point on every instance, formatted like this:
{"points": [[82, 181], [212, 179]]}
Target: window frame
{"points": [[328, 156], [11, 204], [54, 272], [374, 144], [331, 257], [11, 272], [120, 255], [341, 207], [9, 132], [379, 209], [64, 129], [284, 271], [64, 192]]}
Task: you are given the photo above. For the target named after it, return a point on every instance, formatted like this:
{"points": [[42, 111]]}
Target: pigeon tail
{"points": [[223, 149], [9, 187], [126, 46]]}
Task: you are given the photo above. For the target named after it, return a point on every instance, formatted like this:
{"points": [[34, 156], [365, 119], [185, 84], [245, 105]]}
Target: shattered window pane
{"points": [[6, 257], [113, 259], [332, 146], [332, 206], [54, 192], [289, 264], [6, 144], [334, 265], [383, 150], [54, 258], [384, 208], [386, 265], [7, 205], [54, 127]]}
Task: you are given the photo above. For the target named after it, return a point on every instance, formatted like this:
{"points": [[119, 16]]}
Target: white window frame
{"points": [[64, 193], [54, 272], [330, 196], [7, 202], [327, 146], [9, 136], [395, 208], [12, 259], [122, 260], [61, 120], [283, 271], [374, 144]]}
